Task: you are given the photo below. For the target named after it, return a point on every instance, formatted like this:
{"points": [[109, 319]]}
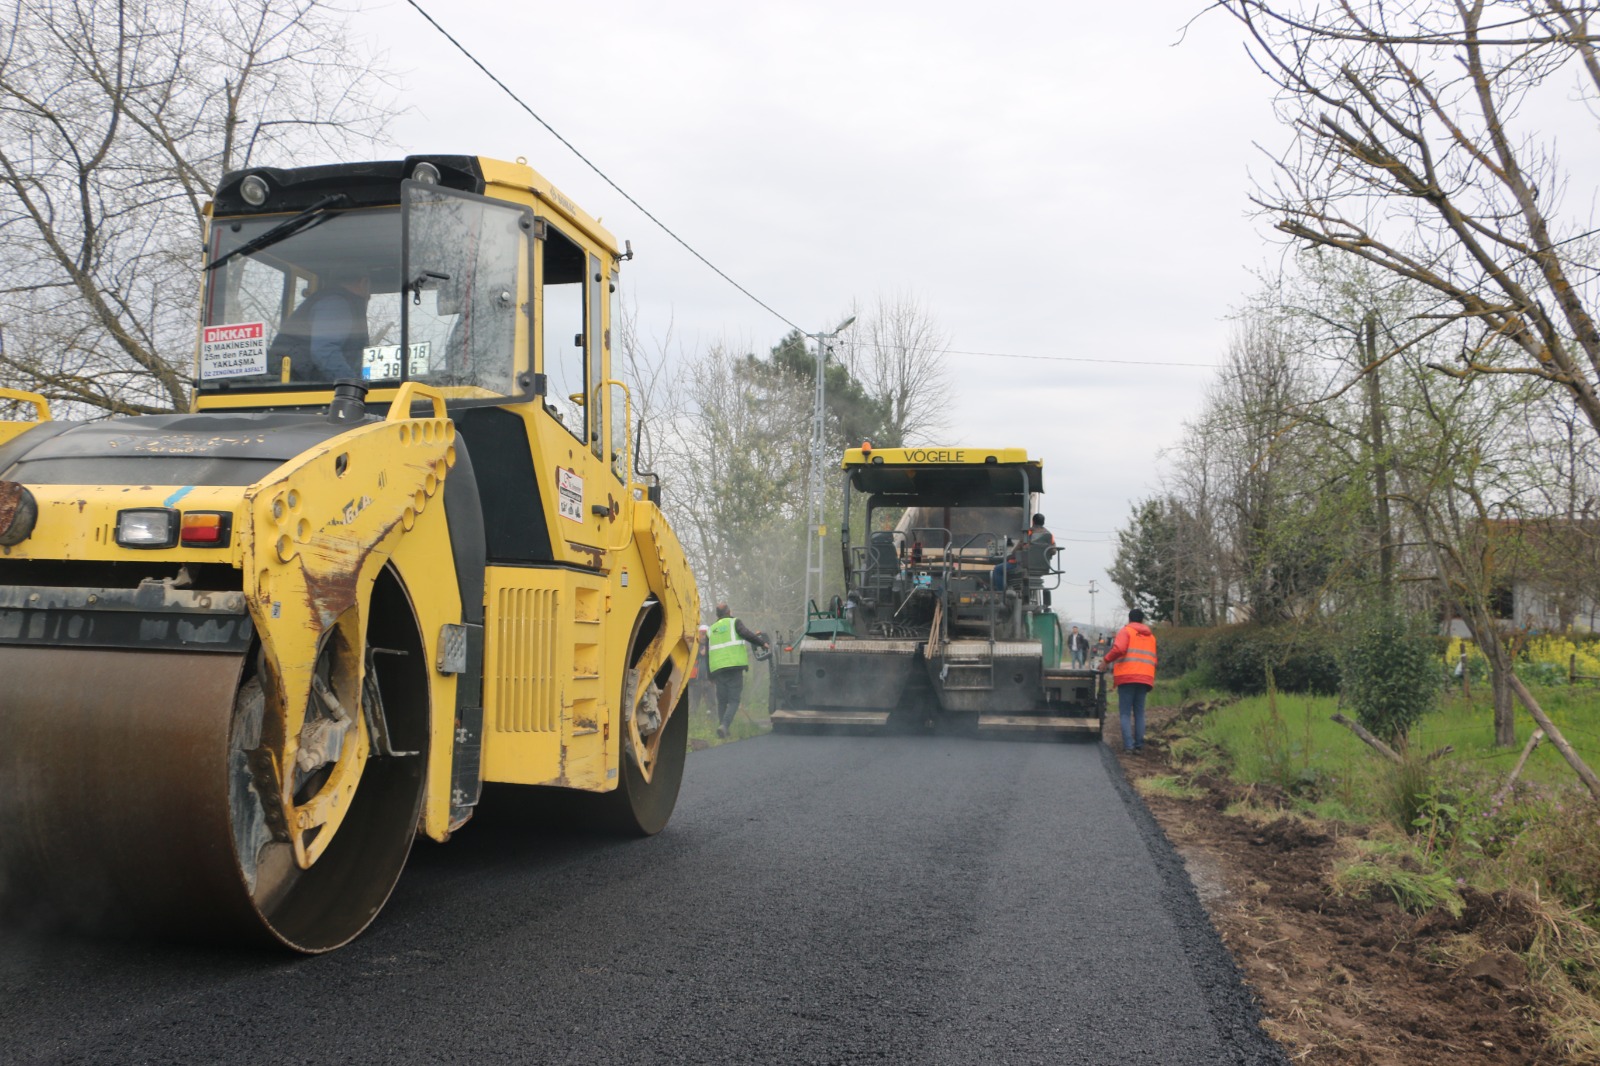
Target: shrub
{"points": [[1233, 660], [1406, 791], [1541, 660], [1180, 648], [1558, 651], [1388, 672], [1309, 665], [1239, 658]]}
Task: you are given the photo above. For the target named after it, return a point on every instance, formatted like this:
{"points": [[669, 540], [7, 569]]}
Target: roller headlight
{"points": [[147, 527], [18, 512], [426, 173], [254, 190]]}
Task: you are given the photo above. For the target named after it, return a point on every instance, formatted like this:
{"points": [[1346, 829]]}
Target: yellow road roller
{"points": [[399, 548]]}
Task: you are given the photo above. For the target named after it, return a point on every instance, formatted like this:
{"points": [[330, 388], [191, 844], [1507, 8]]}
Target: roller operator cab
{"points": [[398, 549], [945, 620]]}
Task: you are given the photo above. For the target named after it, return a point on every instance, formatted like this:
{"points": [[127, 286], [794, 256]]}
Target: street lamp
{"points": [[815, 490]]}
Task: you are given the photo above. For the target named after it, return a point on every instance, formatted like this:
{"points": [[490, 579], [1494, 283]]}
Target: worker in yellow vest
{"points": [[1132, 659], [728, 656]]}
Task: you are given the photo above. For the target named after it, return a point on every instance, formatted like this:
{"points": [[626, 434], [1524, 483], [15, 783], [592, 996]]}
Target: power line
{"points": [[603, 175], [1074, 359], [475, 61], [1043, 358]]}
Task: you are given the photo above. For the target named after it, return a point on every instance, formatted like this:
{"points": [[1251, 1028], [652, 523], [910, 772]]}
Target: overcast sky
{"points": [[1065, 180]]}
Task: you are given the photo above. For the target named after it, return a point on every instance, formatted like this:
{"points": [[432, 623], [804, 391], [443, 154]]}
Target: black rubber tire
{"points": [[339, 897], [638, 808]]}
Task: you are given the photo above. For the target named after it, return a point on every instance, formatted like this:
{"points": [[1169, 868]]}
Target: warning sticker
{"points": [[233, 351], [569, 500]]}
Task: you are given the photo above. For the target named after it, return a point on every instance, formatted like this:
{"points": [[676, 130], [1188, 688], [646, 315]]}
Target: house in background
{"points": [[1547, 573], [1536, 606]]}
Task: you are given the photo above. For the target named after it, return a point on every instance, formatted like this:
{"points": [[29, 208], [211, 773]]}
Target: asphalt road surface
{"points": [[815, 900]]}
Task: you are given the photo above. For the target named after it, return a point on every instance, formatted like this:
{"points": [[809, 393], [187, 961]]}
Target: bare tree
{"points": [[1412, 150], [651, 368], [1200, 552], [734, 459], [1416, 150], [731, 433], [1464, 485], [1261, 471], [117, 118], [897, 353]]}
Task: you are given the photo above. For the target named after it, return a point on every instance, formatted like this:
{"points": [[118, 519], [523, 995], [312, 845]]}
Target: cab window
{"points": [[302, 306], [617, 411], [464, 294], [562, 333], [435, 290], [595, 337]]}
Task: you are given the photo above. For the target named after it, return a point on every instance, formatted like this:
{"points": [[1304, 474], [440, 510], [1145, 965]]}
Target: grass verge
{"points": [[1170, 786], [1436, 827]]}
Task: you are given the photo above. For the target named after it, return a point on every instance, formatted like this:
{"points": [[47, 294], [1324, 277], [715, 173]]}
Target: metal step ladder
{"points": [[969, 673], [977, 619]]}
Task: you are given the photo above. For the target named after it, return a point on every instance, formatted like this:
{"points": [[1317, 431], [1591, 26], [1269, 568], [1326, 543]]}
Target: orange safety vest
{"points": [[1138, 664]]}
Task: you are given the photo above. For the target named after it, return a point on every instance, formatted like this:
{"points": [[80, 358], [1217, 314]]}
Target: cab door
{"points": [[587, 504], [572, 415]]}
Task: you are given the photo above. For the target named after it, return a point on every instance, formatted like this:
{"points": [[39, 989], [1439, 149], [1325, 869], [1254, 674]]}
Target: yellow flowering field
{"points": [[1552, 649]]}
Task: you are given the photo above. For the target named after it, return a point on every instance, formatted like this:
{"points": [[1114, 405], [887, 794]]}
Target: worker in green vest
{"points": [[729, 657]]}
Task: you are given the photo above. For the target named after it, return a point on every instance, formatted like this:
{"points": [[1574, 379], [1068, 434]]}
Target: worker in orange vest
{"points": [[1132, 659]]}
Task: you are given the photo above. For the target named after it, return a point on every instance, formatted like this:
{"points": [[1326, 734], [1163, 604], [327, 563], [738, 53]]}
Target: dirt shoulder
{"points": [[1344, 980]]}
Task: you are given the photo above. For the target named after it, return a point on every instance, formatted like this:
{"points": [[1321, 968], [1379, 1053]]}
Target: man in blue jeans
{"points": [[1078, 645], [1132, 659]]}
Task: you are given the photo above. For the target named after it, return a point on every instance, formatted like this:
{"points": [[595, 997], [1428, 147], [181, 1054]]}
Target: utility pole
{"points": [[1092, 591], [816, 489]]}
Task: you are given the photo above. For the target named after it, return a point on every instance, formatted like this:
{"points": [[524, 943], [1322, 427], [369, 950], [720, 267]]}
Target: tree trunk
{"points": [[1505, 708], [1580, 767], [1487, 636]]}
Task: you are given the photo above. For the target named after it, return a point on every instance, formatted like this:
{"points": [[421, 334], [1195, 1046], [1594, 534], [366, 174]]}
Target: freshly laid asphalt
{"points": [[814, 900]]}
